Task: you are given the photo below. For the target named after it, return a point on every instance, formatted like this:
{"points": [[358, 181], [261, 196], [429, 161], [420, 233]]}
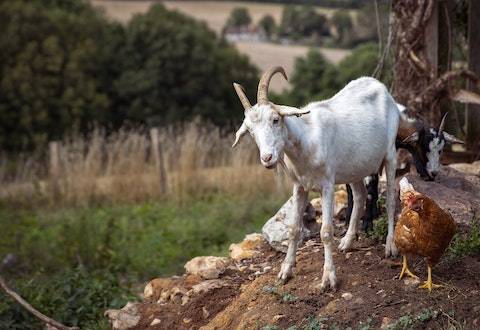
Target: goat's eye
{"points": [[275, 121]]}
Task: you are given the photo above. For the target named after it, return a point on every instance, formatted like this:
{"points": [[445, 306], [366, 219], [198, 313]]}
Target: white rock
{"points": [[248, 248], [207, 267], [125, 318], [347, 296], [208, 285], [155, 322], [276, 229]]}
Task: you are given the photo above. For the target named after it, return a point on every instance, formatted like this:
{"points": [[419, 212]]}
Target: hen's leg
{"points": [[428, 283], [405, 269]]}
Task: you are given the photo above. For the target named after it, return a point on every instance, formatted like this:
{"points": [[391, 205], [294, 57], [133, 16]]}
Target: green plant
{"points": [[467, 243], [76, 297], [367, 325], [314, 323]]}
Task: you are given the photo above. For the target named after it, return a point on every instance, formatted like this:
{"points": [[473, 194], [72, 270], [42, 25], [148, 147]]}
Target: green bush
{"points": [[75, 297]]}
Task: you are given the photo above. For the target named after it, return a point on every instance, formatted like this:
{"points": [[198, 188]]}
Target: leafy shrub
{"points": [[75, 297]]}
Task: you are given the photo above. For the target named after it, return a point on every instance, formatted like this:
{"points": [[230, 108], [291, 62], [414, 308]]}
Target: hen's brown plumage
{"points": [[423, 228]]}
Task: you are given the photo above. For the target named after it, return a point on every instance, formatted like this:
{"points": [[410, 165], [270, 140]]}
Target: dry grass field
{"points": [[215, 13], [193, 160]]}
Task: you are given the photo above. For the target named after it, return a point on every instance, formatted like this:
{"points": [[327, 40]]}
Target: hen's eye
{"points": [[275, 121]]}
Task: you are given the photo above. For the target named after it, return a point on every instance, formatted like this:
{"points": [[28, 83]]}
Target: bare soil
{"points": [[369, 293]]}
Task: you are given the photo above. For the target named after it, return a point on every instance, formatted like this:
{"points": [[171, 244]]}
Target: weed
{"points": [[367, 325], [467, 243]]}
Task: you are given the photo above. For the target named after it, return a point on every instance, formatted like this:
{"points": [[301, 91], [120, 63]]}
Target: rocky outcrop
{"points": [[125, 318], [276, 229], [207, 267], [454, 191], [248, 248]]}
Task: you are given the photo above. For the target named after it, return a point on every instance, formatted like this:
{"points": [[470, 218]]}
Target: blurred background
{"points": [[117, 117]]}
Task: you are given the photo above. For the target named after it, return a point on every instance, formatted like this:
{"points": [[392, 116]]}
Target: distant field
{"points": [[215, 14]]}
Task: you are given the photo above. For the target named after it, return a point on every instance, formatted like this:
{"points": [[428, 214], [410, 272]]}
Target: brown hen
{"points": [[423, 229]]}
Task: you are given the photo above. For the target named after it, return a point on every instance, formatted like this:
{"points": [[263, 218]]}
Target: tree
{"points": [[313, 78], [301, 22], [342, 22], [239, 16], [174, 68], [49, 64], [267, 23], [361, 62]]}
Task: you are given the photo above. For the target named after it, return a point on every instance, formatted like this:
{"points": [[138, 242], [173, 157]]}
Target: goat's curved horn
{"points": [[241, 95], [442, 123], [262, 95]]}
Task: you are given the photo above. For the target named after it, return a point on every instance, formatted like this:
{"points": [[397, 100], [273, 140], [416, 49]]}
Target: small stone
{"points": [[348, 255], [354, 283], [155, 322], [207, 267], [476, 309], [330, 308], [358, 301], [205, 312], [267, 268], [386, 321], [347, 296], [409, 281], [278, 317], [187, 321], [248, 248], [185, 300], [380, 291], [369, 253]]}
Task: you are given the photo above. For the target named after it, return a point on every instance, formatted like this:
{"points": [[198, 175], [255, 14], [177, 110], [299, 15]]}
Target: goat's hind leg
{"points": [[326, 233], [390, 167], [359, 198]]}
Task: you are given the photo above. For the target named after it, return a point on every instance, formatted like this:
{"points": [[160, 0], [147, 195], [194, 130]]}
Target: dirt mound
{"points": [[244, 294]]}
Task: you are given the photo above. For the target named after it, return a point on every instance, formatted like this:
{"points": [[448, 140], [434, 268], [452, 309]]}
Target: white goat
{"points": [[339, 140]]}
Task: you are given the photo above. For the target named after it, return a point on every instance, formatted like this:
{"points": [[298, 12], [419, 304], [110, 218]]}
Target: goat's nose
{"points": [[267, 157], [434, 173]]}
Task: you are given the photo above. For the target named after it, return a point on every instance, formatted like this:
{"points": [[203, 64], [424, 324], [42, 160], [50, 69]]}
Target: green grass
{"points": [[69, 258], [467, 243]]}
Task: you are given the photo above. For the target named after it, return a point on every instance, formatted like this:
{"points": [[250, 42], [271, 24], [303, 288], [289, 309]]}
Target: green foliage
{"points": [[239, 17], [467, 243], [409, 321], [174, 69], [301, 22], [76, 256], [75, 297], [343, 24], [314, 78], [361, 62], [65, 69], [267, 23], [48, 64]]}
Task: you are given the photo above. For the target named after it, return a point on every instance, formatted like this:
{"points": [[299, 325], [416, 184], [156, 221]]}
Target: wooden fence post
{"points": [[158, 158], [54, 166]]}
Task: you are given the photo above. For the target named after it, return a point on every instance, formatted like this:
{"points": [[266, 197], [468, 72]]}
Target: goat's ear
{"points": [[284, 110], [241, 132], [411, 138], [452, 139]]}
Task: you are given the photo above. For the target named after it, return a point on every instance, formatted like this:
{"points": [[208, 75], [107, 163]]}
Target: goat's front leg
{"points": [[299, 199], [326, 233]]}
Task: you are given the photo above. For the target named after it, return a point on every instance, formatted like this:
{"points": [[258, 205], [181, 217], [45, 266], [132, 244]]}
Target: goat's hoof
{"points": [[285, 273], [346, 242], [329, 281], [390, 248]]}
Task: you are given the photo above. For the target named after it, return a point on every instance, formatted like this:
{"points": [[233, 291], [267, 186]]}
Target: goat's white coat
{"points": [[340, 140]]}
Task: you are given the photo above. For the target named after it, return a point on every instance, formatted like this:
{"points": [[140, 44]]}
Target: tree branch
{"points": [[32, 310]]}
